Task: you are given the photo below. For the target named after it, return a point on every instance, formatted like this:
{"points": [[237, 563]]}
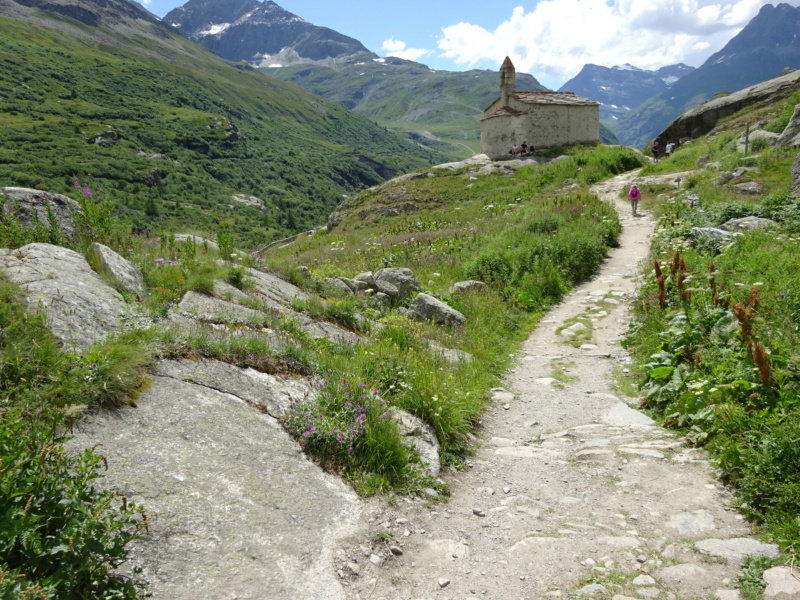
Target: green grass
{"points": [[222, 129], [704, 372]]}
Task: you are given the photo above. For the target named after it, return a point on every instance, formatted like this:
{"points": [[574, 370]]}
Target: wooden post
{"points": [[747, 138]]}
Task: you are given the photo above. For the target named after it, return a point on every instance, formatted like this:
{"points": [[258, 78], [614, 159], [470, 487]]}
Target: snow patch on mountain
{"points": [[214, 29]]}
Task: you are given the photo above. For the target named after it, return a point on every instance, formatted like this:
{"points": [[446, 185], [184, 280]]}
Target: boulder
{"points": [[461, 287], [81, 309], [24, 203], [421, 436], [129, 276], [790, 136], [427, 308], [403, 279], [712, 232], [388, 289], [200, 241], [758, 134], [337, 285], [367, 278], [747, 223], [751, 188]]}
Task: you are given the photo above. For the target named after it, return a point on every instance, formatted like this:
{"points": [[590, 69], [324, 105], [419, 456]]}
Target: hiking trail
{"points": [[572, 492]]}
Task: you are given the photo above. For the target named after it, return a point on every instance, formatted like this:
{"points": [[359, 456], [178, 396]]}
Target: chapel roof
{"points": [[554, 98]]}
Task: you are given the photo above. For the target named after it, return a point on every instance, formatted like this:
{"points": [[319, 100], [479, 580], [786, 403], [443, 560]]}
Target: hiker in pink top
{"points": [[634, 195]]}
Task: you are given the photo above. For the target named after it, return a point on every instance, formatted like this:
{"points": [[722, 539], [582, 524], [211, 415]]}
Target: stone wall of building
{"points": [[540, 125]]}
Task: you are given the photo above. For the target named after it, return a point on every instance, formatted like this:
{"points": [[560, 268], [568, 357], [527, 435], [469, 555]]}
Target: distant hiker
{"points": [[524, 148], [634, 195], [669, 148], [655, 150], [514, 149]]}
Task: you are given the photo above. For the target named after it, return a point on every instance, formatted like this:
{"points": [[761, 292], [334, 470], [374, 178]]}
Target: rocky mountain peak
{"points": [[261, 33]]}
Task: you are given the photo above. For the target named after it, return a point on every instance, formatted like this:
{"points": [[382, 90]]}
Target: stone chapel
{"points": [[541, 119]]}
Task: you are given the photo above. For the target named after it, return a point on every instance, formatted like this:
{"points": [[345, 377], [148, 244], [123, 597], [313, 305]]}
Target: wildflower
{"points": [[159, 260], [87, 193], [350, 450]]}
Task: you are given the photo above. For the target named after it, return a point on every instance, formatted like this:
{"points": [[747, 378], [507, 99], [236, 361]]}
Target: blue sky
{"points": [[550, 39]]}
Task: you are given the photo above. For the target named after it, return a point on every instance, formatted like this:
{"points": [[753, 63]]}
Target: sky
{"points": [[549, 39]]}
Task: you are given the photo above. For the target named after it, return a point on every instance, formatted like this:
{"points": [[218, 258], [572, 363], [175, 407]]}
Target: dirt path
{"points": [[573, 492]]}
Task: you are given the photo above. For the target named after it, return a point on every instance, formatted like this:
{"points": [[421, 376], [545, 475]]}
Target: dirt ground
{"points": [[573, 492]]}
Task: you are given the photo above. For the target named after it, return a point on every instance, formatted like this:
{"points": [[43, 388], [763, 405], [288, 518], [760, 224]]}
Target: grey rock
{"points": [[756, 135], [220, 493], [24, 203], [751, 188], [742, 170], [727, 595], [214, 310], [396, 550], [81, 309], [782, 584], [685, 576], [451, 355], [388, 289], [226, 291], [462, 287], [273, 288], [790, 134], [736, 548], [712, 232], [271, 394], [403, 279], [747, 223], [368, 278], [591, 590], [421, 436], [443, 582], [129, 276], [703, 160], [153, 156], [427, 308], [200, 241], [643, 580], [623, 415], [337, 285], [692, 523]]}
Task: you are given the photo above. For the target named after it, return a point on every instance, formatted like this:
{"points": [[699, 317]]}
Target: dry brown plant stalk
{"points": [[761, 358]]}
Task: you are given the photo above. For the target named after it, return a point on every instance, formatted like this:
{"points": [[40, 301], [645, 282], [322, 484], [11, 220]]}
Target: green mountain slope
{"points": [[438, 109], [169, 131]]}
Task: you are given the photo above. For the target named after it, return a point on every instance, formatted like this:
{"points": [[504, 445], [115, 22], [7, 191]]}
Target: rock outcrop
{"points": [[427, 308], [81, 309], [224, 482], [127, 275], [702, 119], [29, 206]]}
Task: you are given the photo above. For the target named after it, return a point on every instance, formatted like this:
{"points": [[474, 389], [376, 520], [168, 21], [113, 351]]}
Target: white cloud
{"points": [[394, 47], [556, 38]]}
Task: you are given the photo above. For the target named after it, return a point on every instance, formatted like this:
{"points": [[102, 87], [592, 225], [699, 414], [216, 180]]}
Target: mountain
{"points": [[259, 33], [767, 45], [621, 88], [440, 110], [170, 133]]}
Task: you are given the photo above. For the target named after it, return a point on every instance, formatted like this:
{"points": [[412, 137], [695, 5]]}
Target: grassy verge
{"points": [[717, 332], [59, 536]]}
